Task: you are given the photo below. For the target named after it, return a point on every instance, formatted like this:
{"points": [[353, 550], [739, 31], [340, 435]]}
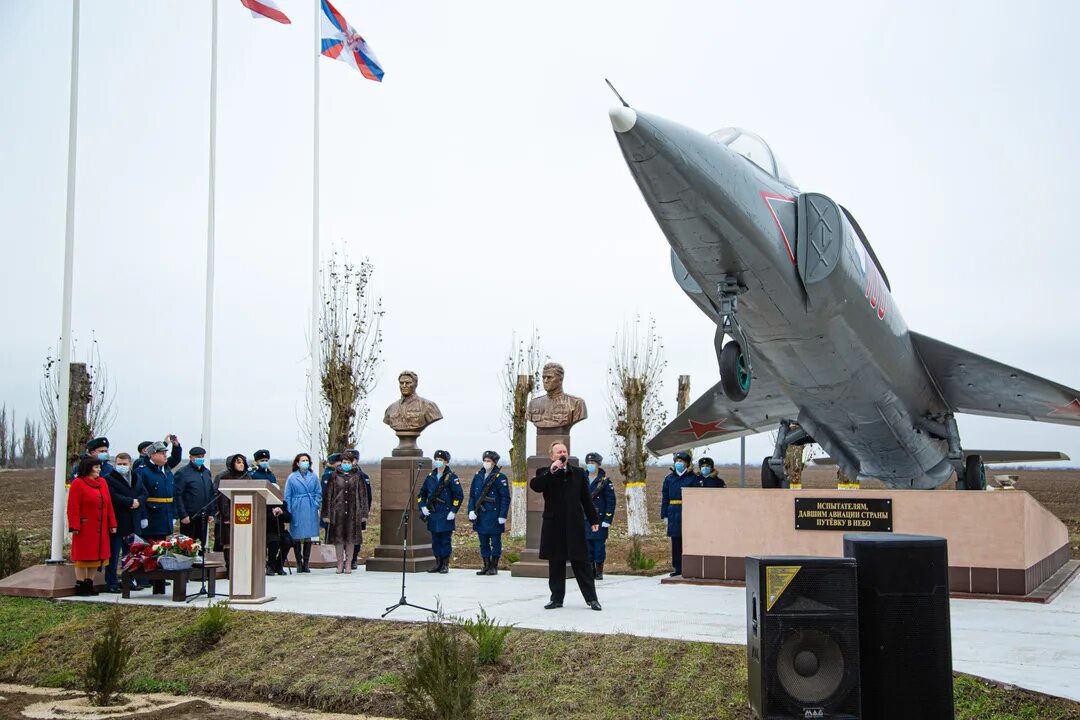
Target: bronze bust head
{"points": [[555, 409]]}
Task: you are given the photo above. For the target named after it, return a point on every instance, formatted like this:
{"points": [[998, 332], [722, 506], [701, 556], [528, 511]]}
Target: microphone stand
{"points": [[202, 553], [403, 530]]}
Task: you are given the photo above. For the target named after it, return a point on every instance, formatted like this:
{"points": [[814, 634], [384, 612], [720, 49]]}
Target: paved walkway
{"points": [[1026, 644]]}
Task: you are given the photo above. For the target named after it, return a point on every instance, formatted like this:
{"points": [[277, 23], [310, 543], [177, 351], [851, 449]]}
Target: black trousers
{"points": [[582, 573], [195, 529], [676, 554]]}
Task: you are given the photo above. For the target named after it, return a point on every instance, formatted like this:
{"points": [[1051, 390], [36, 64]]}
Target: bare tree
{"points": [[682, 398], [350, 352], [91, 396], [519, 379], [635, 411], [5, 434], [28, 449]]}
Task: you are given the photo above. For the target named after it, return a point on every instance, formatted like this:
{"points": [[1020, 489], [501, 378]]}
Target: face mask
{"points": [[263, 465], [103, 456], [439, 464], [304, 464], [346, 467], [679, 467], [123, 469], [488, 465], [591, 467], [199, 462], [705, 470]]}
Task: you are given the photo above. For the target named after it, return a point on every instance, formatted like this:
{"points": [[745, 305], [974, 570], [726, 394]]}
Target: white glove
{"points": [[502, 521], [472, 515], [605, 524], [424, 510], [143, 523], [450, 515]]}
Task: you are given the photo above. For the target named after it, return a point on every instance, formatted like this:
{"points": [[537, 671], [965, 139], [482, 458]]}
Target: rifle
{"points": [[487, 487], [434, 498]]}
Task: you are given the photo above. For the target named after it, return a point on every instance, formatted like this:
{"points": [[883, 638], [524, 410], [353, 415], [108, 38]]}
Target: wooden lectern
{"points": [[247, 544]]}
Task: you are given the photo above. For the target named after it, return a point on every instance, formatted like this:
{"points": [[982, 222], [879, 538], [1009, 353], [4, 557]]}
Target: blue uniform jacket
{"points": [[448, 500], [671, 500], [267, 475], [493, 505], [712, 481], [160, 490], [603, 498]]}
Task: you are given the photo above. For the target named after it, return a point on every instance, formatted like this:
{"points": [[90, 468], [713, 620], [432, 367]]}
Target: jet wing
{"points": [[990, 457], [713, 418], [971, 383]]}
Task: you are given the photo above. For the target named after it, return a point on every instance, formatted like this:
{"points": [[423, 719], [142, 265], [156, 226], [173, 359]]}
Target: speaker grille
{"points": [[809, 665]]}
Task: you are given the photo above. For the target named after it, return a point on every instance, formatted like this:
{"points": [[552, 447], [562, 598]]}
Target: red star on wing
{"points": [[700, 430], [1072, 409]]}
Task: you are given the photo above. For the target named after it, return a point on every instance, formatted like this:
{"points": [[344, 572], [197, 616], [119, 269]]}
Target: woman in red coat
{"points": [[91, 521]]}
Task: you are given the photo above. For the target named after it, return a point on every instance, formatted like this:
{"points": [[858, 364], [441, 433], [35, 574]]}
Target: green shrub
{"points": [[10, 553], [441, 683], [213, 623], [638, 560], [490, 636], [512, 557], [108, 658]]}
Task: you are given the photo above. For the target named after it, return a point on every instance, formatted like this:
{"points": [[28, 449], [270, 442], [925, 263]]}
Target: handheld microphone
{"points": [[562, 459]]}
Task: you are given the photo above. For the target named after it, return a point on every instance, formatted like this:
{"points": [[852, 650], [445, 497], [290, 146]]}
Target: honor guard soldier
{"points": [[489, 504], [603, 498], [707, 476], [439, 500], [262, 469], [157, 478], [671, 506]]}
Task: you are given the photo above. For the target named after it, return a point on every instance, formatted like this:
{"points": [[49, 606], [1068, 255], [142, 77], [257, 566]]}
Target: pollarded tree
{"points": [[90, 408], [520, 378], [635, 411], [350, 352]]}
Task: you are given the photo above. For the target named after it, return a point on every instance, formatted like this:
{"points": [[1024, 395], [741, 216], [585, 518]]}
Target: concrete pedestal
{"points": [[530, 564], [45, 581], [398, 474]]}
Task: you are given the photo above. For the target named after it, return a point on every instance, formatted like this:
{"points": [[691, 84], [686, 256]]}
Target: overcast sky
{"points": [[483, 180]]}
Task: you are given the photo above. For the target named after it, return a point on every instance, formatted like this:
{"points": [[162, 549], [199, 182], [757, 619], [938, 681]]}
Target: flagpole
{"points": [[315, 379], [56, 550], [208, 338]]}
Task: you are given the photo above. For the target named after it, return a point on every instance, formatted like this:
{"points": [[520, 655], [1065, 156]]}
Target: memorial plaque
{"points": [[865, 515]]}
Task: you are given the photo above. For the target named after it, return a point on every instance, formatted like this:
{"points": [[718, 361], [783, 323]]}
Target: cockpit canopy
{"points": [[756, 150]]}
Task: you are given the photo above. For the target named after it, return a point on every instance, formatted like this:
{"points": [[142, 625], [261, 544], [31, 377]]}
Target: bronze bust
{"points": [[556, 409], [409, 415]]}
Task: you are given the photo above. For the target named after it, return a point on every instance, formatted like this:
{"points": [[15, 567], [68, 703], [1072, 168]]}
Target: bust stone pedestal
{"points": [[530, 564], [398, 473]]}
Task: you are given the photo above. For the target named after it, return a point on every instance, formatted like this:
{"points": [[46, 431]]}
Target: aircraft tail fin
{"points": [[970, 383]]}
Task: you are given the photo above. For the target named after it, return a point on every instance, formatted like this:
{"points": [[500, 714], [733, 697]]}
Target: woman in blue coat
{"points": [[489, 504], [303, 497], [602, 493], [439, 500], [671, 506]]}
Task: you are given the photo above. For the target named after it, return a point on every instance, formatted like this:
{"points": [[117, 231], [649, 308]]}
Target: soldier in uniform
{"points": [[157, 478], [707, 476], [439, 500], [262, 469], [603, 498], [671, 505], [489, 504]]}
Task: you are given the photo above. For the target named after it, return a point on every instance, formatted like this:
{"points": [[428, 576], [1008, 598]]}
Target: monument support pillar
{"points": [[398, 473], [530, 564]]}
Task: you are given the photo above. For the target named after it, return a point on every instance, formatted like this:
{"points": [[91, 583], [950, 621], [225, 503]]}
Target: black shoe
{"points": [[675, 573], [80, 588], [554, 604], [437, 566], [282, 572], [444, 566], [90, 587], [599, 571], [494, 569], [354, 565], [113, 589], [594, 605], [270, 572], [484, 570]]}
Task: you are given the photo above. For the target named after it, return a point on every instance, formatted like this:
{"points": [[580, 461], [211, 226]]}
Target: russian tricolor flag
{"points": [[341, 42], [266, 9]]}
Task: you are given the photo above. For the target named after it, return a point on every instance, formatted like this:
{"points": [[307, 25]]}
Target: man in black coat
{"points": [[128, 498], [194, 496], [567, 503]]}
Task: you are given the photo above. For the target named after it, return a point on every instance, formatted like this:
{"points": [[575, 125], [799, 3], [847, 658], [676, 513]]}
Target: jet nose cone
{"points": [[622, 118]]}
